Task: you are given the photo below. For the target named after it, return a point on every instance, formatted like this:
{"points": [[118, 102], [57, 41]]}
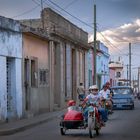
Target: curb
{"points": [[26, 126]]}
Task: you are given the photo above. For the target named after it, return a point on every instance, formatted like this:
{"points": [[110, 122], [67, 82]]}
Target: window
{"points": [[44, 76], [118, 74], [33, 73]]}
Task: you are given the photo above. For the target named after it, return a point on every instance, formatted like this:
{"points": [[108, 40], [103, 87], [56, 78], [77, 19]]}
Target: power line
{"points": [[109, 41], [111, 45], [69, 13], [45, 2], [79, 20], [38, 4], [82, 22], [71, 3], [26, 12]]}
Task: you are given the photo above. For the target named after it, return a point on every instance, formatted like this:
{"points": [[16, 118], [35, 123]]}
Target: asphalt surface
{"points": [[122, 125]]}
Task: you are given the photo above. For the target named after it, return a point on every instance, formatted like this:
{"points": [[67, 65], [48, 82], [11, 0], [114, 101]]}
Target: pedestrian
{"points": [[81, 92]]}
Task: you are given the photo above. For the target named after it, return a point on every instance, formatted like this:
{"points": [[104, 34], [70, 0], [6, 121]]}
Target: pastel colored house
{"points": [[102, 62], [10, 69]]}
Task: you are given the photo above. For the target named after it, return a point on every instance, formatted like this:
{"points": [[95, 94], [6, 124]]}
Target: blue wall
{"points": [[102, 64]]}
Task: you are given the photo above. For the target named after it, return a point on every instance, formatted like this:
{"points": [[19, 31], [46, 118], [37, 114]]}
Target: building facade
{"points": [[36, 88], [116, 72], [68, 48], [102, 62], [10, 69]]}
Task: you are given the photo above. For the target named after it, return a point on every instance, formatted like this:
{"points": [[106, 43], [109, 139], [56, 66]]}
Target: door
{"points": [[57, 75], [26, 84], [74, 95], [99, 81], [11, 96]]}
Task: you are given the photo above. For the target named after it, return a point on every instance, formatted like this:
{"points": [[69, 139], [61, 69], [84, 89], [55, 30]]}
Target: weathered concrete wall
{"points": [[69, 68], [10, 48], [72, 40], [55, 23], [9, 24], [18, 88], [10, 38], [3, 89], [62, 94], [35, 47], [35, 23], [51, 79], [57, 74], [58, 24]]}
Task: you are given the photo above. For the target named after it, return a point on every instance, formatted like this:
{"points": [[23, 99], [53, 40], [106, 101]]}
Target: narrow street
{"points": [[122, 125]]}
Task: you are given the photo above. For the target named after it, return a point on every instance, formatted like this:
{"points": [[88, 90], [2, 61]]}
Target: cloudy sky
{"points": [[118, 21]]}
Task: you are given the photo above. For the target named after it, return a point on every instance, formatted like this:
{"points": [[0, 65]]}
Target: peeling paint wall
{"points": [[10, 43], [3, 90], [72, 40], [10, 49], [38, 96]]}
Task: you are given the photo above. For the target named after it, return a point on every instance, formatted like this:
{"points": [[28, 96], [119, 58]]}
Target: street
{"points": [[122, 125]]}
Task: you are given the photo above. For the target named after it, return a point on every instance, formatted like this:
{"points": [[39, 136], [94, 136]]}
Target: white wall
{"points": [[3, 89], [18, 63], [10, 46]]}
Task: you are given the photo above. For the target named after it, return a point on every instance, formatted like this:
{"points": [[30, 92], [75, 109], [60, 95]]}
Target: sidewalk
{"points": [[21, 125]]}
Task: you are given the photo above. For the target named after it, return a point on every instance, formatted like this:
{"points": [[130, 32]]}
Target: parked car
{"points": [[123, 97]]}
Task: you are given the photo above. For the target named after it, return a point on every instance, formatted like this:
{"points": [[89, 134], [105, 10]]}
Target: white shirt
{"points": [[80, 90], [93, 97], [104, 94]]}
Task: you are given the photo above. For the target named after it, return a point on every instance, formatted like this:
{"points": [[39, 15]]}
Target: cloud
{"points": [[120, 37]]}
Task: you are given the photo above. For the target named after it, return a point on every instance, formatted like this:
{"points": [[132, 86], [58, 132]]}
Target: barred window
{"points": [[34, 72], [44, 76]]}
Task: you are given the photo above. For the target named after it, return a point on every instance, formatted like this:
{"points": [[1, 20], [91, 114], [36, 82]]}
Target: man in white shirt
{"points": [[105, 94]]}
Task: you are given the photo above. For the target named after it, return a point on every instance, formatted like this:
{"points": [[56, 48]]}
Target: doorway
{"points": [[11, 94], [26, 84], [73, 62]]}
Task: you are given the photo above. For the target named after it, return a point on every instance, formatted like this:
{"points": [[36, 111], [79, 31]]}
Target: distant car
{"points": [[122, 97]]}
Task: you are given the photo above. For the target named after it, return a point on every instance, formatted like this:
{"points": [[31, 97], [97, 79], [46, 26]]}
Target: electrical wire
{"points": [[26, 12], [45, 2], [38, 4], [69, 13], [71, 3], [112, 45]]}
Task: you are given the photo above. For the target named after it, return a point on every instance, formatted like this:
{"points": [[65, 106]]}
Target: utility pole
{"points": [[129, 64], [138, 79], [127, 74], [42, 14], [94, 77]]}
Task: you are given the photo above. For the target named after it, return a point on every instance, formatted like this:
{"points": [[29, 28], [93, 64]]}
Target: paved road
{"points": [[122, 125]]}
